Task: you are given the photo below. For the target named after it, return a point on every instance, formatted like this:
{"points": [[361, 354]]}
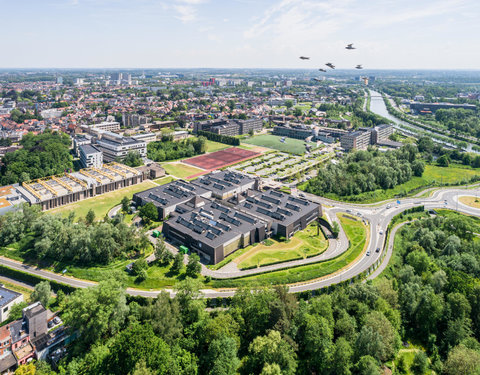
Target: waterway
{"points": [[377, 105]]}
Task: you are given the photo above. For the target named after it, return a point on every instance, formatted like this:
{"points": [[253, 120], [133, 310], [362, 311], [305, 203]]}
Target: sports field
{"points": [[220, 159], [295, 146], [180, 170]]}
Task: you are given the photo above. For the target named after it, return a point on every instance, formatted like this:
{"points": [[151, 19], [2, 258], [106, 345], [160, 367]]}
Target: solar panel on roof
{"points": [[197, 229], [248, 205], [218, 186], [277, 216], [270, 199], [210, 235], [276, 193], [246, 218], [263, 211], [217, 231], [285, 212], [298, 200], [263, 204], [292, 207]]}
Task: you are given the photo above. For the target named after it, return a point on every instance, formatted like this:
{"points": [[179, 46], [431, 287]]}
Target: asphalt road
{"points": [[378, 217]]}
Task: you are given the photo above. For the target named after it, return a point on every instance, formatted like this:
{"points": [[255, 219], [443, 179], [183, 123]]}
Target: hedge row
{"points": [[226, 139], [33, 279]]}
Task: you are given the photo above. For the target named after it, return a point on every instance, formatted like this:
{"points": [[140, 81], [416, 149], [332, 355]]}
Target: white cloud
{"points": [[187, 9]]}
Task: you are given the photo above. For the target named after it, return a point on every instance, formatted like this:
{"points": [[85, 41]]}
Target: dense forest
{"points": [[363, 171], [85, 241], [42, 155], [461, 120], [429, 297], [167, 149]]}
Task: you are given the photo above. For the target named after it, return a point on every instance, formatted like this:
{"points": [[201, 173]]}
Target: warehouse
{"points": [[214, 230]]}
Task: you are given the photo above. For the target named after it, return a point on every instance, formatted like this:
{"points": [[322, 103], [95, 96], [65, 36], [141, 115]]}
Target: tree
{"points": [[367, 366], [251, 132], [177, 263], [161, 252], [97, 311], [139, 265], [270, 349], [142, 369], [148, 212], [443, 161], [288, 104], [420, 363], [335, 229], [27, 369], [125, 205], [193, 266], [16, 310], [42, 293], [133, 159], [342, 355], [222, 355], [297, 112], [90, 217], [418, 167], [462, 361]]}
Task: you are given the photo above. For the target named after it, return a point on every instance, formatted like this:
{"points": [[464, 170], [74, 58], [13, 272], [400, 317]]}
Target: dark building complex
{"points": [[229, 127], [426, 108], [224, 211]]}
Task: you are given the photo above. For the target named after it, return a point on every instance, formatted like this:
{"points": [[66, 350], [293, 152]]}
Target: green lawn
{"points": [[164, 180], [181, 170], [101, 204], [295, 146], [303, 244], [216, 146], [432, 176], [356, 232]]}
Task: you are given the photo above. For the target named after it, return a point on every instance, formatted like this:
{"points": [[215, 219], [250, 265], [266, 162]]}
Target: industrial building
{"points": [[55, 191], [167, 197], [214, 230], [225, 184], [229, 127]]}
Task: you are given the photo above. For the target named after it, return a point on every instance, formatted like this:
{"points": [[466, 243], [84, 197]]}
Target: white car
{"points": [[368, 253]]}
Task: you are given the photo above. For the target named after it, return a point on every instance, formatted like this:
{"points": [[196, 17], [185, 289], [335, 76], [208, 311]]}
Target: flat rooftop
{"points": [[215, 224], [223, 182], [173, 193], [275, 206], [7, 296]]}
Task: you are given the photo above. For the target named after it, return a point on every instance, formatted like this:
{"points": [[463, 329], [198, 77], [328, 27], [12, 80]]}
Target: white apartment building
{"points": [[115, 146], [90, 156]]}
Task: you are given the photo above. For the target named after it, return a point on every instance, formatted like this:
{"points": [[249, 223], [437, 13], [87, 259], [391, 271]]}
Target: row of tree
{"points": [[226, 139]]}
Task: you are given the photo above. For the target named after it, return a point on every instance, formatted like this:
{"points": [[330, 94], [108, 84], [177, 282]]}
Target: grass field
{"points": [[180, 170], [356, 232], [216, 146], [101, 204], [295, 146], [164, 180], [302, 244], [470, 201], [432, 176]]}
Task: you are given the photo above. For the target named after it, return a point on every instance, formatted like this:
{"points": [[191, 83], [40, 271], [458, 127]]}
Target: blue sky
{"points": [[389, 34]]}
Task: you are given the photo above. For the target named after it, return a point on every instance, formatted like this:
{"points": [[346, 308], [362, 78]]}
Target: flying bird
{"points": [[359, 66], [322, 70], [330, 65], [304, 58], [350, 46]]}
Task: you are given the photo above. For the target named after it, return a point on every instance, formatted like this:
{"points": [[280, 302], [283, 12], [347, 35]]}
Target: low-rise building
{"points": [[8, 298], [225, 184], [109, 126]]}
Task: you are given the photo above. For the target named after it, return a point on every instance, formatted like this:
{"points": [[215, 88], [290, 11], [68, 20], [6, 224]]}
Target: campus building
{"points": [[229, 127], [115, 146], [284, 214], [214, 230], [109, 126], [90, 156], [167, 197], [55, 191], [225, 184], [225, 211], [357, 140]]}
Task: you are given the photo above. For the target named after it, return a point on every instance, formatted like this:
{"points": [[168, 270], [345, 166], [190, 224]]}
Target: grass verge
{"points": [[180, 170]]}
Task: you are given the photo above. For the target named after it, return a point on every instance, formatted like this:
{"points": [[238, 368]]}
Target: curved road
{"points": [[378, 217]]}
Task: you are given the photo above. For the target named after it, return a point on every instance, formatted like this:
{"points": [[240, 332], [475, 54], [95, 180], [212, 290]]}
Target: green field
{"points": [[295, 146], [356, 232], [101, 204], [432, 176], [180, 170], [216, 146], [164, 180], [303, 244]]}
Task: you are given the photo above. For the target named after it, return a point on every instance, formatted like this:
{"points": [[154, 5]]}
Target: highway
{"points": [[377, 216]]}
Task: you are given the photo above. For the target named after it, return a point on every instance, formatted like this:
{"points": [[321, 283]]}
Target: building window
{"points": [[5, 309]]}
